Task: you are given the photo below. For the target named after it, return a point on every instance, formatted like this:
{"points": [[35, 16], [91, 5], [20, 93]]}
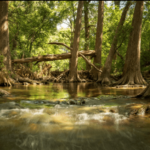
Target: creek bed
{"points": [[102, 122]]}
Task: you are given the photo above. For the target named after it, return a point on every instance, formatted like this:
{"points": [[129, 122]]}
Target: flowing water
{"points": [[86, 127]]}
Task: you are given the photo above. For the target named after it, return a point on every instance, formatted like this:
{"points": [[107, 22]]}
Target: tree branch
{"points": [[57, 43], [79, 53], [89, 62], [119, 55]]}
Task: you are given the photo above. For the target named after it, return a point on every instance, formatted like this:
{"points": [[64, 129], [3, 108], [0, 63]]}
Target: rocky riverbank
{"points": [[124, 105]]}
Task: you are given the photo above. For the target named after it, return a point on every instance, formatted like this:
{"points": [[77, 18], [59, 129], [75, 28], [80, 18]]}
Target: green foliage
{"points": [[32, 24]]}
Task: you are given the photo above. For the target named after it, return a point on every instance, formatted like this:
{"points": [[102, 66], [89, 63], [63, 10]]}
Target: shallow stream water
{"points": [[86, 127]]}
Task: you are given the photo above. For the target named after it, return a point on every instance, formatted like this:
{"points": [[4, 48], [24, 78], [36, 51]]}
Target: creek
{"points": [[101, 123]]}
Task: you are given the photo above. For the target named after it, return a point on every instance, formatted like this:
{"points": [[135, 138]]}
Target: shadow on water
{"points": [[73, 127]]}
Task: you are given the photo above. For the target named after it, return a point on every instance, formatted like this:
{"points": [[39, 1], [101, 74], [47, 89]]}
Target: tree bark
{"points": [[87, 34], [74, 53], [79, 54], [4, 36], [132, 73], [105, 76], [145, 93], [117, 4], [5, 58], [53, 57], [98, 44]]}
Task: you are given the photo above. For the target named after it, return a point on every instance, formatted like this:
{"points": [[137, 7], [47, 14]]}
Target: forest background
{"points": [[33, 24]]}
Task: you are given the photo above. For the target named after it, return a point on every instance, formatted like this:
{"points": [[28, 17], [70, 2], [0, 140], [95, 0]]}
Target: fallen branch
{"points": [[79, 54], [47, 67], [59, 77], [119, 55], [52, 57], [89, 62], [27, 80]]}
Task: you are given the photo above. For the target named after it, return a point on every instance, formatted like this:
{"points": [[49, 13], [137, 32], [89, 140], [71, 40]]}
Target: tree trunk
{"points": [[145, 93], [5, 58], [105, 76], [74, 53], [117, 4], [72, 25], [132, 73], [86, 21], [71, 45], [4, 36], [98, 44]]}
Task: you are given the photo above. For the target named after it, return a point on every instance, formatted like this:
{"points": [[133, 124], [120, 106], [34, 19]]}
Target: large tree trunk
{"points": [[74, 53], [145, 93], [87, 34], [98, 44], [117, 4], [5, 58], [4, 36], [105, 76], [132, 73]]}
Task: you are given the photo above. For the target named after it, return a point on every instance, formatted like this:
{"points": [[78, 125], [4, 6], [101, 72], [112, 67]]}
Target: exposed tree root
{"points": [[79, 79], [21, 79], [105, 81], [60, 76], [145, 93], [131, 79], [129, 86], [45, 70], [5, 79], [75, 79], [24, 72], [47, 79]]}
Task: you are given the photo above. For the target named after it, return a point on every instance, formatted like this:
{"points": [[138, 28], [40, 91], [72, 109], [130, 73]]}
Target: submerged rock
{"points": [[61, 102], [10, 105], [64, 103], [72, 102]]}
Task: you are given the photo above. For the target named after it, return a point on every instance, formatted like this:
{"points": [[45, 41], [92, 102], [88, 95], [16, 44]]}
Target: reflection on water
{"points": [[74, 127], [65, 90]]}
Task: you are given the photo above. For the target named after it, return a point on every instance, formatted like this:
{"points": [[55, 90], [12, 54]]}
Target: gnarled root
{"points": [[5, 79], [21, 79], [131, 79], [79, 79], [145, 93], [76, 79], [104, 80], [61, 75]]}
